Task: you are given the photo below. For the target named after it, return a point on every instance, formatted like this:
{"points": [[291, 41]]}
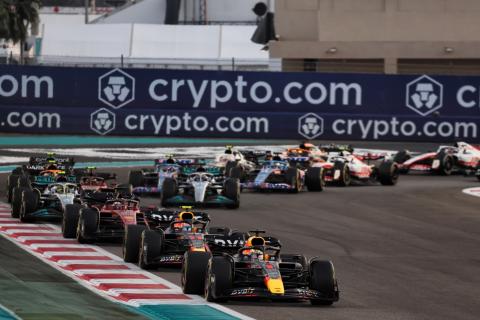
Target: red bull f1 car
{"points": [[259, 270]]}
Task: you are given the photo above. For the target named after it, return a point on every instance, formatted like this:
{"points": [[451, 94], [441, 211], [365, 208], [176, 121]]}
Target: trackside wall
{"points": [[238, 104]]}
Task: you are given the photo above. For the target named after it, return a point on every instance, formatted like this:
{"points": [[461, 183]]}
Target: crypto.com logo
{"points": [[310, 125], [424, 95], [116, 88], [102, 121]]}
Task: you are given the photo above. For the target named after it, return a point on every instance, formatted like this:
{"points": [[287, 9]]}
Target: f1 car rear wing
{"points": [[92, 172], [50, 158], [226, 243], [163, 218], [336, 148]]}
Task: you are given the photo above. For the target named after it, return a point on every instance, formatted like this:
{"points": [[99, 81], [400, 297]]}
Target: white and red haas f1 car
{"points": [[342, 165], [461, 157]]}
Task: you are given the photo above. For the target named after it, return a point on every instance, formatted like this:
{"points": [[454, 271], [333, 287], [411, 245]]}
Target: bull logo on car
{"points": [[116, 88], [310, 126], [424, 95], [102, 121]]}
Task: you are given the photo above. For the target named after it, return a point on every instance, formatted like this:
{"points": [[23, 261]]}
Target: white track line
{"points": [[472, 191]]}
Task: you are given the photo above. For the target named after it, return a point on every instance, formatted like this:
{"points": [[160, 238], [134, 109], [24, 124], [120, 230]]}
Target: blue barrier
{"points": [[238, 104]]}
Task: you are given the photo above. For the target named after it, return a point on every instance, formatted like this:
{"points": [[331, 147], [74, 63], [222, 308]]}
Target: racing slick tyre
{"points": [[315, 179], [233, 170], [401, 156], [388, 173], [17, 201], [131, 242], [218, 279], [292, 177], [135, 178], [151, 246], [345, 179], [445, 167], [124, 189], [29, 204], [70, 220], [194, 271], [322, 279], [87, 225], [11, 183], [169, 189], [24, 181], [232, 192]]}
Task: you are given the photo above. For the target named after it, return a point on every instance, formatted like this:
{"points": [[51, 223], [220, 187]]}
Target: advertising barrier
{"points": [[263, 105]]}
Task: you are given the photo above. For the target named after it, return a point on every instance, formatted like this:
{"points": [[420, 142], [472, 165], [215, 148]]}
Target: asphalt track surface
{"points": [[405, 252]]}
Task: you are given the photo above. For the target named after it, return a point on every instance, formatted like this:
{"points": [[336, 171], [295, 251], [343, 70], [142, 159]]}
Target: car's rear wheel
{"points": [[194, 271], [70, 220], [11, 183], [17, 201], [169, 190], [445, 167], [135, 178], [151, 247], [87, 225], [345, 178], [29, 204], [232, 192], [388, 173], [131, 242], [292, 177], [315, 179]]}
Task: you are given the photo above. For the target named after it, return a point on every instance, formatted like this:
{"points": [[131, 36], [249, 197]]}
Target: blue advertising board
{"points": [[275, 105]]}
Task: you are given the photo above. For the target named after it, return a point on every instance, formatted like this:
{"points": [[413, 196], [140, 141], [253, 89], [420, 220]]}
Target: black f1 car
{"points": [[258, 270]]}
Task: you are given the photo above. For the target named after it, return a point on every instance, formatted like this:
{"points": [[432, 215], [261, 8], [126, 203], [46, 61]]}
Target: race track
{"points": [[405, 252]]}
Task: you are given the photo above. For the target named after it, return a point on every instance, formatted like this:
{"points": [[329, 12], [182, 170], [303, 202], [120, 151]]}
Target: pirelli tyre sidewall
{"points": [[169, 190], [322, 279], [131, 242], [87, 225], [70, 220], [446, 165], [11, 183], [151, 247], [29, 204], [315, 179], [194, 271], [345, 179], [219, 279], [135, 178], [232, 192]]}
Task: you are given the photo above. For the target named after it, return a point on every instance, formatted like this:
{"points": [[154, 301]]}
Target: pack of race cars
{"points": [[217, 262]]}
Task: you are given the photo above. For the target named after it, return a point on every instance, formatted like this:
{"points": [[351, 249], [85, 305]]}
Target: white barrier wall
{"points": [[151, 41], [181, 42], [100, 40]]}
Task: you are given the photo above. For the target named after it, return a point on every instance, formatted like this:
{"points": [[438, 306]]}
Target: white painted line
{"points": [[472, 191]]}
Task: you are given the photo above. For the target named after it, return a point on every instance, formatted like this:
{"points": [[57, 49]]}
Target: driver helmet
{"points": [[182, 226], [117, 205]]}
